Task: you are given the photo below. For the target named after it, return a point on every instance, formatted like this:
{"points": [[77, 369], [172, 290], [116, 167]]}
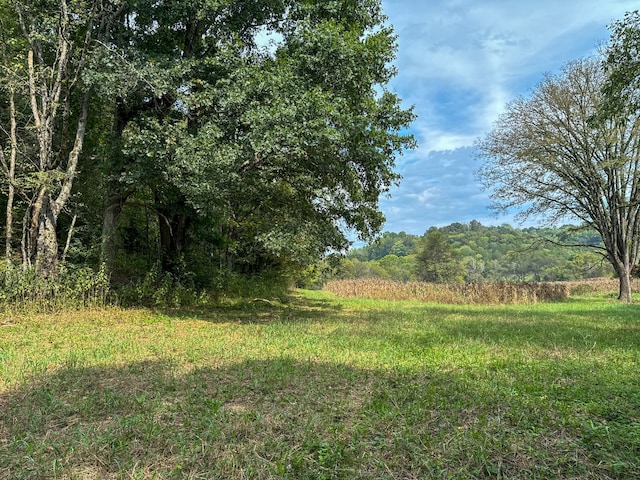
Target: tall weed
{"points": [[594, 286], [23, 290]]}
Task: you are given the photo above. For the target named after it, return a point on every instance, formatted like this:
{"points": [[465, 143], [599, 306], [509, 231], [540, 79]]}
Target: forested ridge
{"points": [[481, 253]]}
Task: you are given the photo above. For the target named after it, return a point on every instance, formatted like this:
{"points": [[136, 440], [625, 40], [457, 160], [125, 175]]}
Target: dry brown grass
{"points": [[486, 293], [600, 285]]}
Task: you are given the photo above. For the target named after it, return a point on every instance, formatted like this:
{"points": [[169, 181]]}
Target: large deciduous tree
{"points": [[259, 130], [551, 157], [271, 121]]}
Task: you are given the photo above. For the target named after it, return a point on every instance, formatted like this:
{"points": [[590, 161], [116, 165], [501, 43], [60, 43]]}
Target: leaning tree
{"points": [[552, 157]]}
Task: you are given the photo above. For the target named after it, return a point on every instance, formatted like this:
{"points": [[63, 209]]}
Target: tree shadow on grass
{"points": [[251, 311], [579, 329], [285, 418]]}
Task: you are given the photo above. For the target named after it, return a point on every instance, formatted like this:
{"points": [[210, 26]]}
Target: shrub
{"points": [[162, 289]]}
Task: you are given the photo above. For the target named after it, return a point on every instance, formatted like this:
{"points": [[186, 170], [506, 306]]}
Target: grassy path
{"points": [[321, 388]]}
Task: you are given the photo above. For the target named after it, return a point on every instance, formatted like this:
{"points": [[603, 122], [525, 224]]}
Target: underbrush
{"points": [[23, 290], [485, 293], [157, 289]]}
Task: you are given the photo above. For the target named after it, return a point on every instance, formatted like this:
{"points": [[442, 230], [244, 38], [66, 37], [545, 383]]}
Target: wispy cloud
{"points": [[460, 62]]}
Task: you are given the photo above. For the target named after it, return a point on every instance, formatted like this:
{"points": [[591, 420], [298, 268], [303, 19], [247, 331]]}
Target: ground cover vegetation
{"points": [[321, 388]]}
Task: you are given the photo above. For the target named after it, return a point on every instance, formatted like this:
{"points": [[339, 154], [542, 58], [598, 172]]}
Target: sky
{"points": [[459, 63]]}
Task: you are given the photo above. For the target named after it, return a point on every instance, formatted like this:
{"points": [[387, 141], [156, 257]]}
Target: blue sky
{"points": [[459, 62]]}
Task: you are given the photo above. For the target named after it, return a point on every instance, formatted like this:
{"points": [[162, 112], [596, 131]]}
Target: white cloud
{"points": [[489, 49], [460, 62]]}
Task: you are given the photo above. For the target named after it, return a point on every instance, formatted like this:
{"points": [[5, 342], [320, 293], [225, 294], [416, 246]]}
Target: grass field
{"points": [[324, 388]]}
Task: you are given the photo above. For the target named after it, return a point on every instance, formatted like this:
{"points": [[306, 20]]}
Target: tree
{"points": [[278, 148], [621, 88], [254, 134], [401, 269], [438, 262], [548, 156], [43, 63], [11, 84]]}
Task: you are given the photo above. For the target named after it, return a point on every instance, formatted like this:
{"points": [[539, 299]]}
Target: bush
{"points": [[161, 289]]}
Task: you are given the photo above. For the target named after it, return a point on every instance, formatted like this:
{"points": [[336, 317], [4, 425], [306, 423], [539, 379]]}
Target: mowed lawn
{"points": [[323, 388]]}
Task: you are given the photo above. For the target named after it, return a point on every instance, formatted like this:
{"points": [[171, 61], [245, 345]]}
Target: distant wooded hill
{"points": [[485, 253]]}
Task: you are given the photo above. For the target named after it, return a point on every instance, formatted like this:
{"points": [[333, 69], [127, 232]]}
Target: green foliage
{"points": [[163, 289], [239, 155], [533, 253], [488, 253], [622, 63], [438, 262], [399, 244], [158, 289], [277, 150], [75, 287]]}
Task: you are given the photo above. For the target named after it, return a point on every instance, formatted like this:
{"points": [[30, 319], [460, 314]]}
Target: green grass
{"points": [[323, 388]]}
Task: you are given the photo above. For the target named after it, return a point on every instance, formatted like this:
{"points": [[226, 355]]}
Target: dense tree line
{"points": [[199, 138], [474, 252], [202, 139]]}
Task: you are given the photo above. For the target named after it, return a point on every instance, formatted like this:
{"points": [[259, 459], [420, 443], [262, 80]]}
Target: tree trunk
{"points": [[624, 269], [9, 223], [10, 168], [116, 197], [625, 285], [44, 238], [109, 247], [11, 173], [173, 239]]}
